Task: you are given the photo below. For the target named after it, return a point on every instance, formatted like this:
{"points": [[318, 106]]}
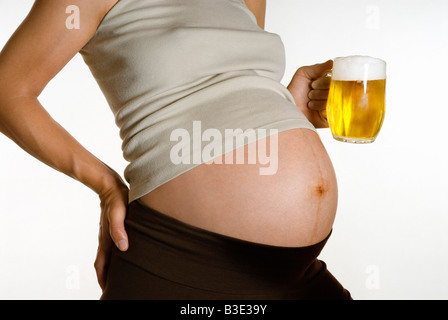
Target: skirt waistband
{"points": [[195, 257]]}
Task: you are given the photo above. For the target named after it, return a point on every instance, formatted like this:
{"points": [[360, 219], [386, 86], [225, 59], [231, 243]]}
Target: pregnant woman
{"points": [[193, 85]]}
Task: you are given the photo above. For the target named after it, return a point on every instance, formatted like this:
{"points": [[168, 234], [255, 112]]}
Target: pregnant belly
{"points": [[293, 206]]}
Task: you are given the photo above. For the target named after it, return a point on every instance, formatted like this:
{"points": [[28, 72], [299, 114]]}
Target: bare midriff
{"points": [[294, 207]]}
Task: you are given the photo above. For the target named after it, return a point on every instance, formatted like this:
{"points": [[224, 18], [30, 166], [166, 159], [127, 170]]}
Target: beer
{"points": [[356, 100]]}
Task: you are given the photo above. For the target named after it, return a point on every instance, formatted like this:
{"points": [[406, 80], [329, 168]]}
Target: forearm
{"points": [[28, 124]]}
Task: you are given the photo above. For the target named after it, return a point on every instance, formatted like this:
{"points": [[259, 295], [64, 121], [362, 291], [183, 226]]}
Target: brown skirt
{"points": [[170, 260]]}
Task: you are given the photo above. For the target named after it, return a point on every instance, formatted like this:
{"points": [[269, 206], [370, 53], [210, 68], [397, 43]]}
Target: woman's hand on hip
{"points": [[309, 87], [114, 201]]}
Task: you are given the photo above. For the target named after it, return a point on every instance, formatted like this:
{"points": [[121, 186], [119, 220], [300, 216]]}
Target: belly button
{"points": [[321, 189]]}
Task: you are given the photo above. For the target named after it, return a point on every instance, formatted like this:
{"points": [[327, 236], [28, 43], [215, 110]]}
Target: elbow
{"points": [[13, 99]]}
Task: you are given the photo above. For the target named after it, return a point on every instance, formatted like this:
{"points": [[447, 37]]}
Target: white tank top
{"points": [[171, 67]]}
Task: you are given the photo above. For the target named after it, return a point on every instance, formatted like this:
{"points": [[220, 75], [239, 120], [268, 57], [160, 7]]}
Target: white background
{"points": [[390, 237]]}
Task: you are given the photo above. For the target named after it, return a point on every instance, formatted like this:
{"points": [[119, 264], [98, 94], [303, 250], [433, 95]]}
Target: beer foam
{"points": [[358, 68]]}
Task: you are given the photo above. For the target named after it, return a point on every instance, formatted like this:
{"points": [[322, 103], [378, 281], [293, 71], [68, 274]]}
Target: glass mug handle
{"points": [[323, 113]]}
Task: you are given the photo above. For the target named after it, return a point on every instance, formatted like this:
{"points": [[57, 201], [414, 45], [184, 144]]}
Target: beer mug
{"points": [[356, 99]]}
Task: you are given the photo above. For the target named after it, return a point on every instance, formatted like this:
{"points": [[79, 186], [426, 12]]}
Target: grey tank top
{"points": [[178, 73]]}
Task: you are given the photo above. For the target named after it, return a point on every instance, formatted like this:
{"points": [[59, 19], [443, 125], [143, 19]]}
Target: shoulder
{"points": [[87, 9], [105, 6]]}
